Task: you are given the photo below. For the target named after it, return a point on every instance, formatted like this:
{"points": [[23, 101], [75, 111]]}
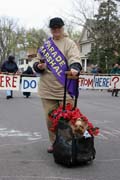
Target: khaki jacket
{"points": [[49, 86]]}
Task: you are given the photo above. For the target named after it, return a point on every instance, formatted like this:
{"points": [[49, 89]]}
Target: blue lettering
{"points": [[102, 82], [106, 82], [33, 84], [25, 84], [96, 82]]}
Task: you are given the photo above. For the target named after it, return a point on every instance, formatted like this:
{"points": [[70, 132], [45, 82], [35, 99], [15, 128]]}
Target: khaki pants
{"points": [[49, 104]]}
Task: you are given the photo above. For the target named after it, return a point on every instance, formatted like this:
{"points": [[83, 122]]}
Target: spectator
{"points": [[115, 70], [27, 72], [9, 66], [94, 69]]}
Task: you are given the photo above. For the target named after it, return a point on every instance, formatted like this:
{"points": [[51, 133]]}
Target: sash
{"points": [[57, 63]]}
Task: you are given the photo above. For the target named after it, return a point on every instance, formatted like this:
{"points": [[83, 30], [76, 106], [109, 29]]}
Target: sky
{"points": [[34, 13]]}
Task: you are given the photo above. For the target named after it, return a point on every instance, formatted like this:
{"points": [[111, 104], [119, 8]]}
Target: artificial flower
{"points": [[70, 115]]}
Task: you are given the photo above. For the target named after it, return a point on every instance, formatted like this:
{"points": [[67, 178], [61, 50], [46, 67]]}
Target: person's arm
{"points": [[38, 66], [73, 56], [3, 67]]}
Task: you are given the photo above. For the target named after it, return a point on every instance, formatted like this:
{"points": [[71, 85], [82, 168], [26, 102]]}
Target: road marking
{"points": [[20, 144], [31, 136], [101, 136], [107, 134]]}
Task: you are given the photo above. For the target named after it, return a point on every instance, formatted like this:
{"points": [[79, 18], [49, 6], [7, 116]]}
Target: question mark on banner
{"points": [[115, 79]]}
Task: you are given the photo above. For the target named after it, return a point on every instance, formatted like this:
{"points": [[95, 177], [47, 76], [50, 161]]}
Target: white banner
{"points": [[9, 82], [29, 84], [86, 81], [115, 82], [94, 82], [102, 82]]}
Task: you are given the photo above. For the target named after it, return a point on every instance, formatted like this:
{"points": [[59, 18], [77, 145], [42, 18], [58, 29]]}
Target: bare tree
{"points": [[13, 38], [35, 38], [82, 10], [82, 15], [8, 37]]}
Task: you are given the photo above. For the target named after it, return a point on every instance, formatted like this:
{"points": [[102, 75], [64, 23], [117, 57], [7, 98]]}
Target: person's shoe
{"points": [[116, 95], [50, 149], [8, 97]]}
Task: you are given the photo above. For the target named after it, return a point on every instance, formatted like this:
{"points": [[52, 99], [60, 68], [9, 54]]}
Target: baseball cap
{"points": [[56, 22]]}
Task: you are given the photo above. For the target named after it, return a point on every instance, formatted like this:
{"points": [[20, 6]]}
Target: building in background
{"points": [[25, 59], [86, 42]]}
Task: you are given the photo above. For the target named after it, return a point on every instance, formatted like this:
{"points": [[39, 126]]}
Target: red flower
{"points": [[70, 115], [93, 131]]}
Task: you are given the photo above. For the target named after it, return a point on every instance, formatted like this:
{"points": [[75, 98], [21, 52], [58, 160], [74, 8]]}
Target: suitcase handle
{"points": [[68, 75]]}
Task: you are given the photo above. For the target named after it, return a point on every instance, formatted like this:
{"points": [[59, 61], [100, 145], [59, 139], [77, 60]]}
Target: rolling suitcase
{"points": [[68, 149]]}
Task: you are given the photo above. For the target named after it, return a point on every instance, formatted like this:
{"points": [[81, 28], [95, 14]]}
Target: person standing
{"points": [[58, 54], [9, 66], [26, 73], [118, 72], [94, 69], [115, 71]]}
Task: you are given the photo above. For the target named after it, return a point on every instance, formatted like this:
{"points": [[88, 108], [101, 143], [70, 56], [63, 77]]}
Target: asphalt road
{"points": [[24, 139]]}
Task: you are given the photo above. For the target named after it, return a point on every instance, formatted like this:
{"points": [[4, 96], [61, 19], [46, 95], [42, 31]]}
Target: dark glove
{"points": [[36, 68], [76, 66]]}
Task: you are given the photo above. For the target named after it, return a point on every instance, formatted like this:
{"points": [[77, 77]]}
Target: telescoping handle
{"points": [[69, 76]]}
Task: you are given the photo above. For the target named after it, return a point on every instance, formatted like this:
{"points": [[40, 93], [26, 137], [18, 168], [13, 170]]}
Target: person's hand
{"points": [[41, 66], [74, 72]]}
